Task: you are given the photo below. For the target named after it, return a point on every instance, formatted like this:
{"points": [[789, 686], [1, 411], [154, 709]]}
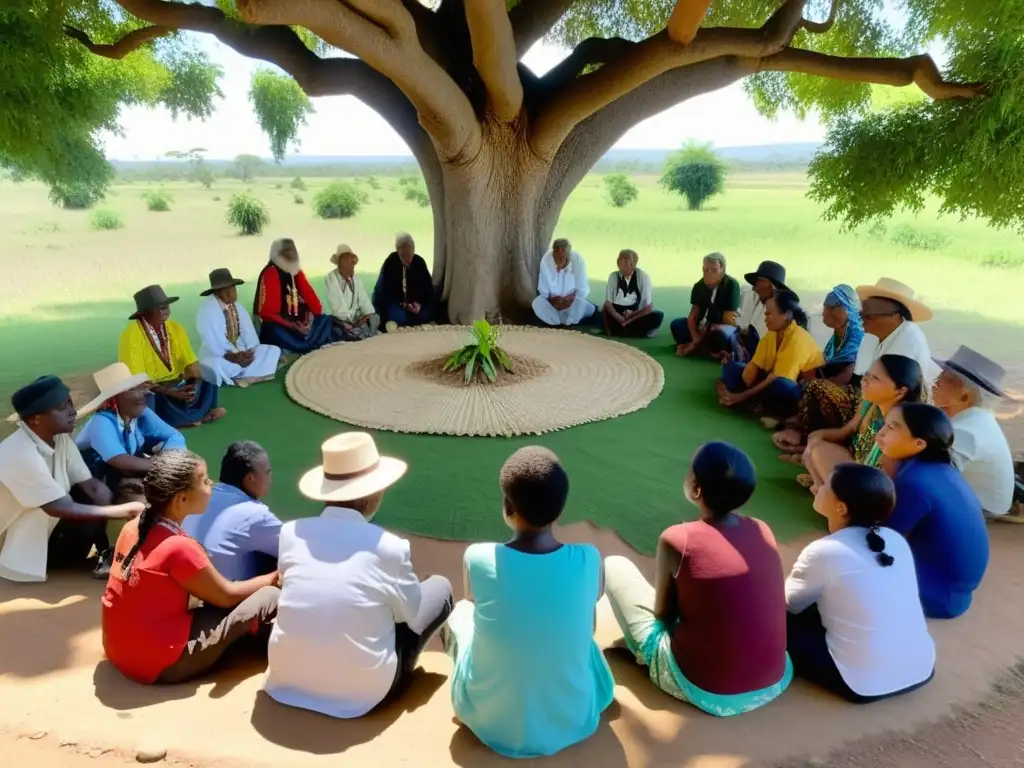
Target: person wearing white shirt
{"points": [[347, 300], [41, 525], [855, 624], [968, 381], [629, 300], [891, 315], [353, 617], [562, 287], [231, 353]]}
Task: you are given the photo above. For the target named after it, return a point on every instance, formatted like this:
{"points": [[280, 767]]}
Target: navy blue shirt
{"points": [[942, 520]]}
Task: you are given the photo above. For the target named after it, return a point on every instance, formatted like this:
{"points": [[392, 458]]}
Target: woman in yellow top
{"points": [[771, 378], [157, 346]]}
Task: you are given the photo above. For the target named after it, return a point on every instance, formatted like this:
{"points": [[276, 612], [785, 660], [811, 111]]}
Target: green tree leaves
{"points": [[281, 108], [696, 173]]}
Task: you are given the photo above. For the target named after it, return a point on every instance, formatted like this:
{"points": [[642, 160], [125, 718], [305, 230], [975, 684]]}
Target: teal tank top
{"points": [[532, 681]]}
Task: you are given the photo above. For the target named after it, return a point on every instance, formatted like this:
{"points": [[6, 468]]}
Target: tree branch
{"points": [[782, 25], [383, 34], [494, 56], [532, 19], [593, 50], [821, 27], [118, 50], [686, 19], [918, 70]]}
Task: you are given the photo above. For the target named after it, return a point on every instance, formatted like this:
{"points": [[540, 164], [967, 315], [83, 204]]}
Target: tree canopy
{"points": [[445, 72]]}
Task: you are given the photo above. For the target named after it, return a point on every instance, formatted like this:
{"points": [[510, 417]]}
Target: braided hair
{"points": [[870, 498], [170, 473]]}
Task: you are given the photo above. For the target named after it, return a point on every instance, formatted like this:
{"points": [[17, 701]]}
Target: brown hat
{"points": [[219, 280]]}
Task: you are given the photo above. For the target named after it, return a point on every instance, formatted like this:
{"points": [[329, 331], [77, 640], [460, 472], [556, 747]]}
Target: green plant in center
{"points": [[481, 354]]}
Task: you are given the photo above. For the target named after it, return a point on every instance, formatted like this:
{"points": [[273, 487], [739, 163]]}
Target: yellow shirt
{"points": [[788, 356], [137, 352]]}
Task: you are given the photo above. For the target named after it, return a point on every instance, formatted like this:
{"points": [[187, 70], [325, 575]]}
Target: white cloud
{"points": [[342, 125]]}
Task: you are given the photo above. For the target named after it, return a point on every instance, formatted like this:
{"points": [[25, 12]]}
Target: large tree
{"points": [[500, 147]]}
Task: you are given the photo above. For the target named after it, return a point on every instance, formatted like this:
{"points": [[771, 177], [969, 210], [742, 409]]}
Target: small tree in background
{"points": [[696, 172], [194, 157], [298, 184], [76, 197], [417, 193], [246, 167], [338, 200], [247, 214], [159, 201], [621, 191]]}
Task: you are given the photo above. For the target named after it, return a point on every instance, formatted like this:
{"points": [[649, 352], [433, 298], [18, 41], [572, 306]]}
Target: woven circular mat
{"points": [[375, 383]]}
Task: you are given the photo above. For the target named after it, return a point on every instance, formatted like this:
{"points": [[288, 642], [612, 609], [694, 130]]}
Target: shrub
{"points": [[216, 198], [279, 186], [338, 200], [298, 199], [408, 181], [247, 214], [372, 181], [204, 176], [105, 219], [909, 237], [298, 184], [621, 191], [418, 195], [1003, 260], [158, 201], [696, 172], [76, 196], [481, 355]]}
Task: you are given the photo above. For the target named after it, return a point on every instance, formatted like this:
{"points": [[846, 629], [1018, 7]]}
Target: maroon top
{"points": [[731, 636]]}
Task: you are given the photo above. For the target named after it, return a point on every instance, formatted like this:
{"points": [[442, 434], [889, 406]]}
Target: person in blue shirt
{"points": [[238, 531], [936, 510], [120, 439], [529, 680]]}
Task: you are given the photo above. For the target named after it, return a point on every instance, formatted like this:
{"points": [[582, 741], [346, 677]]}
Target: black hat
{"points": [[219, 280], [40, 396], [150, 297], [771, 271]]}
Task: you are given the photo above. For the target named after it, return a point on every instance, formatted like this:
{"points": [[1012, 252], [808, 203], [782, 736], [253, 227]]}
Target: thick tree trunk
{"points": [[490, 229]]}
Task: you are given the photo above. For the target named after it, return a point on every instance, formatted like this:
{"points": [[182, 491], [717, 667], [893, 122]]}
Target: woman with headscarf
{"points": [[829, 398], [562, 287], [291, 314]]}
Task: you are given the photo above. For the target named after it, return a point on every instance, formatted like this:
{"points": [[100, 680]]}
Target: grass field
{"points": [[67, 293]]}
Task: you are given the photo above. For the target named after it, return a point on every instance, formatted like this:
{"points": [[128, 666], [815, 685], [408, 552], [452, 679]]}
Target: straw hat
{"points": [[894, 290], [112, 381], [978, 369], [340, 251], [352, 469]]}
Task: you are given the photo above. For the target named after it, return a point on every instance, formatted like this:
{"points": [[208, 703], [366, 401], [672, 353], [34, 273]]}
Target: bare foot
{"points": [[214, 415], [788, 440], [805, 480], [792, 458]]}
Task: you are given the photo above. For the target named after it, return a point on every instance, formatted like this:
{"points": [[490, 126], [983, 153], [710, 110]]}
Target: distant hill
{"points": [[788, 157]]}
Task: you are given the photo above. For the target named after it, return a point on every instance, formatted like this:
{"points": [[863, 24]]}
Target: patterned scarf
{"points": [[233, 325], [159, 341]]}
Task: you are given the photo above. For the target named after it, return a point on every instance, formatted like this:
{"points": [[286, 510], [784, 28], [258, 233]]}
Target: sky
{"points": [[342, 125]]}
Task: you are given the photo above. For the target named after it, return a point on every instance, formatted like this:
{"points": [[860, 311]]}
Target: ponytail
{"points": [[788, 304], [877, 544], [170, 473]]}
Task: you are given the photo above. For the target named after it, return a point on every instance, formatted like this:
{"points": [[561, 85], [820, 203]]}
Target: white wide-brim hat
{"points": [[894, 290], [351, 469], [112, 381], [340, 251]]}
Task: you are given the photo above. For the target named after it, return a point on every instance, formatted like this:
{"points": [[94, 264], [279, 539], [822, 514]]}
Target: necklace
{"points": [[159, 341], [232, 323], [291, 297]]}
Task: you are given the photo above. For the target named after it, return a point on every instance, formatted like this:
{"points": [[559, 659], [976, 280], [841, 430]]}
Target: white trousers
{"points": [[219, 372], [575, 314]]}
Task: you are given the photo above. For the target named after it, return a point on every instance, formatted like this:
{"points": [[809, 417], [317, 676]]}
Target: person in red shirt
{"points": [[712, 630], [291, 315], [150, 632]]}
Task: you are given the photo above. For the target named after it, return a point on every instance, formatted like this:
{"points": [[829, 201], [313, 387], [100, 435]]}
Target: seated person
{"points": [[785, 355], [769, 278], [353, 616], [819, 407], [149, 632], [714, 312], [855, 624], [968, 382], [237, 530], [347, 300], [562, 287], [52, 510], [231, 352], [936, 510], [712, 629], [518, 701], [157, 346], [404, 293], [288, 308], [629, 302], [892, 380], [123, 435]]}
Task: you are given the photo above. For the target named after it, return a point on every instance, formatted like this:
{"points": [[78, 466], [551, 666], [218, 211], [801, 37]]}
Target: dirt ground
{"points": [[63, 706]]}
